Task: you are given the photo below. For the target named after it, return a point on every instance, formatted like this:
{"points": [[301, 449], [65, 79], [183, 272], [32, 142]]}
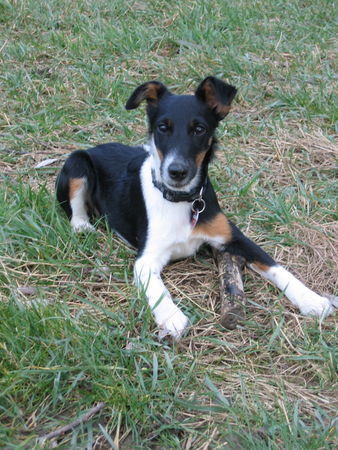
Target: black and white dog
{"points": [[159, 198]]}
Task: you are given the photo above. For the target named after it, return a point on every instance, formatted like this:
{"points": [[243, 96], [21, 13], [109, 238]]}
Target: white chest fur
{"points": [[169, 236], [169, 233]]}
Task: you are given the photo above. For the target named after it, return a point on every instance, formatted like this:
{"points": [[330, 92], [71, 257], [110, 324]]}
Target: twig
{"points": [[82, 419], [231, 289]]}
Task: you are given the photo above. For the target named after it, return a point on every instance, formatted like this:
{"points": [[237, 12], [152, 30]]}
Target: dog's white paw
{"points": [[80, 226], [315, 305], [308, 302], [173, 323]]}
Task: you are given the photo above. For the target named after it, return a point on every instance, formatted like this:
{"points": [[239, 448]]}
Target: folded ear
{"points": [[217, 95], [151, 91]]}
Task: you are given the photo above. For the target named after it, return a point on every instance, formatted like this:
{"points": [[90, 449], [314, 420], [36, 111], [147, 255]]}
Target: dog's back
{"points": [[107, 178]]}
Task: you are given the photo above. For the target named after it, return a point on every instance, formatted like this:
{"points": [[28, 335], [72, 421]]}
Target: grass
{"points": [[81, 333]]}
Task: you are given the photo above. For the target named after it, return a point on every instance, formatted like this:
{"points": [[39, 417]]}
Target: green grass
{"points": [[84, 334]]}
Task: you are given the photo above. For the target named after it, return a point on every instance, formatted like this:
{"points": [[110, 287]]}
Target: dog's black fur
{"points": [[113, 181], [114, 190]]}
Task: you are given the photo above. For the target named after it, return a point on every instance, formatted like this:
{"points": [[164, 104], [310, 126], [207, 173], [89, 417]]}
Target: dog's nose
{"points": [[177, 171]]}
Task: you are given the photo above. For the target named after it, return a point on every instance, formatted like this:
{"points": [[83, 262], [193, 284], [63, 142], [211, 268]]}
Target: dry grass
{"points": [[312, 257], [84, 334], [236, 359]]}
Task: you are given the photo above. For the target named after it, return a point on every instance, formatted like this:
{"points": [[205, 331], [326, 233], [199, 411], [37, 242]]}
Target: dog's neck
{"points": [[175, 195], [179, 196]]}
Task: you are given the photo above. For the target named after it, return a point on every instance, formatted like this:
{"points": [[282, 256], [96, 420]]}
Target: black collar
{"points": [[179, 196]]}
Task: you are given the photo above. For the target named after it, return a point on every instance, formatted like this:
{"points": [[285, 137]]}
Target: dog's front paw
{"points": [[81, 226], [315, 305], [172, 324]]}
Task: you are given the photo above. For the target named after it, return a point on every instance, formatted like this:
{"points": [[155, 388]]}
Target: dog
{"points": [[158, 197]]}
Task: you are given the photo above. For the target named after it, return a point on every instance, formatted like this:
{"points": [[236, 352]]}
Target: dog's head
{"points": [[182, 128]]}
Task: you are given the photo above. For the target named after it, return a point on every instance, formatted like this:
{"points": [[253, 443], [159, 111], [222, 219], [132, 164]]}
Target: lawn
{"points": [[74, 331]]}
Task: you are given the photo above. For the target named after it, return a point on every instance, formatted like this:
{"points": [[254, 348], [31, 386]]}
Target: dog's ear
{"points": [[217, 95], [151, 91]]}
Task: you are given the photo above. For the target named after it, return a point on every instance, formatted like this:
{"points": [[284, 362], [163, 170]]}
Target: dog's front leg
{"points": [[223, 234], [168, 316], [307, 301]]}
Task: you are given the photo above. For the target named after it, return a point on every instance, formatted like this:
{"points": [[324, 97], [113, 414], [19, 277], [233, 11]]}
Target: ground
{"points": [[74, 330]]}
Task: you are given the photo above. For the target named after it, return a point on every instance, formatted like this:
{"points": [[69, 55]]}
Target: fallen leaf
{"points": [[45, 162]]}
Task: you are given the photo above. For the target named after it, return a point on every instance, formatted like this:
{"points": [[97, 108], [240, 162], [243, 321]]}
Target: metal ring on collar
{"points": [[197, 209]]}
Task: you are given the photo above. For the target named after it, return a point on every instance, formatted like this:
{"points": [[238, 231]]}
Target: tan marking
{"points": [[217, 226], [261, 266], [152, 91], [223, 110], [74, 185], [210, 141], [200, 157], [160, 154], [209, 93], [213, 102]]}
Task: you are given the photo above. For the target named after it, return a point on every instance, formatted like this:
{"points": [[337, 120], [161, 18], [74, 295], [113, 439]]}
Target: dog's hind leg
{"points": [[74, 187], [78, 198]]}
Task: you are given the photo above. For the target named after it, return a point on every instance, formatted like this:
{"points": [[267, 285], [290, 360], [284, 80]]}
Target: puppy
{"points": [[159, 198]]}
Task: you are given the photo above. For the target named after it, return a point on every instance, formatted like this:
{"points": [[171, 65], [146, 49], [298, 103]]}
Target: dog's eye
{"points": [[162, 127], [199, 130]]}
